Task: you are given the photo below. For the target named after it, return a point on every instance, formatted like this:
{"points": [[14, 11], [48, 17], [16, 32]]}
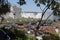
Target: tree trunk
{"points": [[43, 15], [47, 18], [38, 26]]}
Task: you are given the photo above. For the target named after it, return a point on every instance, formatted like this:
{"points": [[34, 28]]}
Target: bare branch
{"points": [[43, 14]]}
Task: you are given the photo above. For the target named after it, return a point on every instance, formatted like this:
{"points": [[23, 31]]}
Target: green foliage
{"points": [[29, 37], [40, 1], [51, 37], [54, 5], [32, 20], [22, 2], [20, 34], [16, 34], [4, 7]]}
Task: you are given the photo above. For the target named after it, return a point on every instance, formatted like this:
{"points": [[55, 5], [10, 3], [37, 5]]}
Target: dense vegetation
{"points": [[51, 37], [4, 8], [16, 34]]}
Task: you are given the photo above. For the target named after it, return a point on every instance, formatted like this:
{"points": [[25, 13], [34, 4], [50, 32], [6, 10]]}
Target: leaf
{"points": [[38, 5], [4, 7], [42, 2], [36, 1], [21, 2]]}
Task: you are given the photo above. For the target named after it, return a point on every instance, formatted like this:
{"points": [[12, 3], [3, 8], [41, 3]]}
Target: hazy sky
{"points": [[30, 5]]}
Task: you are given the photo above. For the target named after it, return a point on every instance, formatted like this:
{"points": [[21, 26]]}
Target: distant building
{"points": [[36, 15], [15, 12], [31, 15]]}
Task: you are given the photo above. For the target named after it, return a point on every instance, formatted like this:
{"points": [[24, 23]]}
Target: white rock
{"points": [[39, 37]]}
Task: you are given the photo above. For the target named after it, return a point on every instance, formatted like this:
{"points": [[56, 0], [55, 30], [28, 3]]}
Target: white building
{"points": [[36, 15], [14, 12], [31, 15]]}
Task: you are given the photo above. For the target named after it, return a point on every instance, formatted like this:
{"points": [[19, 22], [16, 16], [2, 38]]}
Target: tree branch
{"points": [[43, 15], [47, 18]]}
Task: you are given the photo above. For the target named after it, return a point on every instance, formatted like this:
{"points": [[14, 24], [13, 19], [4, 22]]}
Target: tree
{"points": [[4, 8], [22, 2], [50, 4]]}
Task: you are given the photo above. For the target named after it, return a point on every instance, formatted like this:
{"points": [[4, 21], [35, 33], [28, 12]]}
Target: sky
{"points": [[30, 6]]}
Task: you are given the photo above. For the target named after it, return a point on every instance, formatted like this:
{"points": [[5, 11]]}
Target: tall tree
{"points": [[4, 8], [50, 4]]}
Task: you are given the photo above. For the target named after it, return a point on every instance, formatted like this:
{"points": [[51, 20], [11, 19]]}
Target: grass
{"points": [[32, 20]]}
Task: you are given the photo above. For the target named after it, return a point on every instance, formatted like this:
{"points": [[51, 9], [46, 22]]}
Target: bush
{"points": [[51, 37], [17, 34]]}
